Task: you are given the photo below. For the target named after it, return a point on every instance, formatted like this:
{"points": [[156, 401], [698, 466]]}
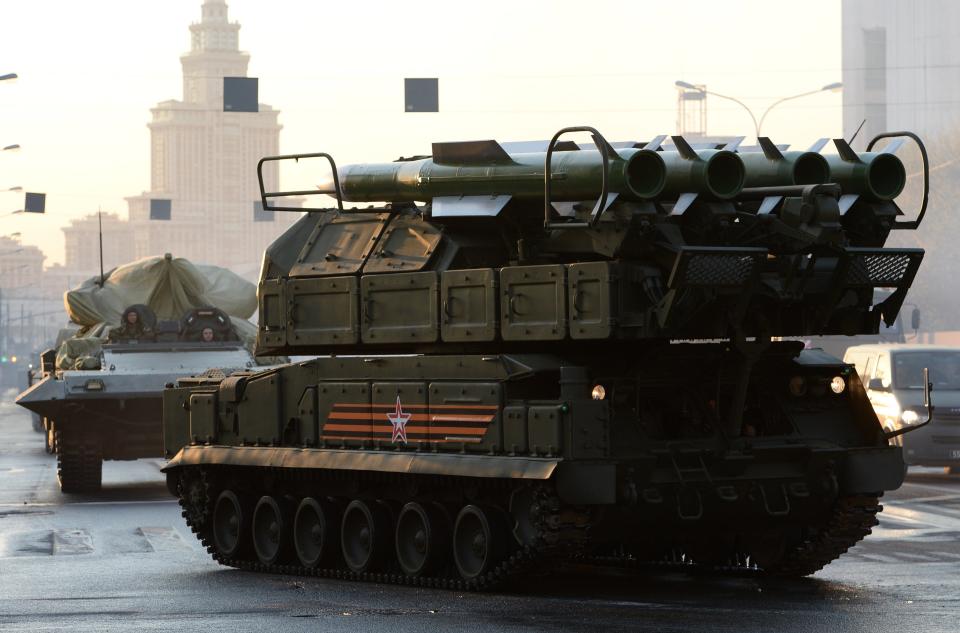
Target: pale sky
{"points": [[509, 70]]}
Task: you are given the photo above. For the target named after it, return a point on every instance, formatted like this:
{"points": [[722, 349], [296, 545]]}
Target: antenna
{"points": [[850, 142], [100, 231]]}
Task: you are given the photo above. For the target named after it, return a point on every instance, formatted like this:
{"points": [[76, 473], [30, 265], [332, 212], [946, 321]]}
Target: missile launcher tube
{"points": [[792, 168], [635, 174], [876, 176]]}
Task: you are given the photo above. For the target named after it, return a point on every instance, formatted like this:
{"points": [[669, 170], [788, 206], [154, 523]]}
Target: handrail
{"points": [[910, 224], [277, 194], [603, 146]]}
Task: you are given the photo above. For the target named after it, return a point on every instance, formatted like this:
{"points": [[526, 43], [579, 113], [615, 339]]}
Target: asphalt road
{"points": [[124, 561]]}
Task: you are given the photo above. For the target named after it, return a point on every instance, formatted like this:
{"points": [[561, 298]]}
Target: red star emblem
{"points": [[399, 421]]}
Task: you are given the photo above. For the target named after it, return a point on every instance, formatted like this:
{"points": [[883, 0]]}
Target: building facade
{"points": [[21, 266], [82, 243], [901, 65], [204, 160], [901, 71]]}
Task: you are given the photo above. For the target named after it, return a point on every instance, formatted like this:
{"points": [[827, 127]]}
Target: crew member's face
{"points": [[207, 334], [132, 318]]}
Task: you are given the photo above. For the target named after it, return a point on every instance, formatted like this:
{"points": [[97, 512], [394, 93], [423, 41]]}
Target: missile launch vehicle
{"points": [[527, 353]]}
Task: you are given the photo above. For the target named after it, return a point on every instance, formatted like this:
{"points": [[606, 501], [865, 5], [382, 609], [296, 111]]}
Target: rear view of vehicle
{"points": [[893, 377]]}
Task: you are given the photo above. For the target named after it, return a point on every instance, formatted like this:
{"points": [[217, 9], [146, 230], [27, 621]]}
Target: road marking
{"points": [[903, 502], [938, 488], [877, 558], [915, 557], [164, 539], [72, 542]]}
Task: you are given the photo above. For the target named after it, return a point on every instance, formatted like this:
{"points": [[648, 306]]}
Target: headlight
{"points": [[909, 417], [93, 385], [599, 393], [838, 384]]}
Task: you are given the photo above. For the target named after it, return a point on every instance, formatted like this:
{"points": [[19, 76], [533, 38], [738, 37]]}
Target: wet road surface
{"points": [[123, 560]]}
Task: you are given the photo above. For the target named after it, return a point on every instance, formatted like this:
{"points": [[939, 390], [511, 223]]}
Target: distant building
{"points": [[20, 265], [901, 60], [82, 243], [203, 160]]}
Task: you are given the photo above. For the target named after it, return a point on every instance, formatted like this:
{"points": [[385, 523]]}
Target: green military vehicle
{"points": [[539, 352]]}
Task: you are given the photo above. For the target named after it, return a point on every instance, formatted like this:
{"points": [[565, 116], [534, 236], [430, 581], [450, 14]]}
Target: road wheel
{"points": [[229, 524], [422, 538], [316, 532], [365, 535], [271, 530], [479, 541], [79, 461]]}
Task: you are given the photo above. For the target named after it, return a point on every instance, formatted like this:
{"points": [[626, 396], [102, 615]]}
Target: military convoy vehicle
{"points": [[102, 400], [532, 353]]}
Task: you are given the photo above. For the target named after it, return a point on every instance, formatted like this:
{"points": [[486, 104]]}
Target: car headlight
{"points": [[909, 417], [838, 385]]}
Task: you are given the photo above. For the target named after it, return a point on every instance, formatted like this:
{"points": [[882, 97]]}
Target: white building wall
{"points": [[912, 80]]}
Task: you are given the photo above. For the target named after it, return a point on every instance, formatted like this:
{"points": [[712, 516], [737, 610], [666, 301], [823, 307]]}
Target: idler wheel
{"points": [[270, 530], [364, 535], [315, 531], [479, 541], [229, 525], [423, 538]]}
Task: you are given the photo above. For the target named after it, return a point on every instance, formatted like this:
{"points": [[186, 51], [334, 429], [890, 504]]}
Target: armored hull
{"points": [[114, 413], [505, 384]]}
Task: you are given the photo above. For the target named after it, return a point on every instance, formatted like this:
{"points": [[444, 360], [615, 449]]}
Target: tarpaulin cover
{"points": [[79, 353], [168, 285]]}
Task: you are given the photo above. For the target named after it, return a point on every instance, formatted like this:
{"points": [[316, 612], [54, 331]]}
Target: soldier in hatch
{"points": [[131, 328], [207, 335]]}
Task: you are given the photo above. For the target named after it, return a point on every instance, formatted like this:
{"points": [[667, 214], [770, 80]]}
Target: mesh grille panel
{"points": [[886, 269], [718, 270]]}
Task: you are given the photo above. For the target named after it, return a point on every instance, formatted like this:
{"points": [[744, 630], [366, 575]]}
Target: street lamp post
{"points": [[834, 87], [757, 125], [690, 86]]}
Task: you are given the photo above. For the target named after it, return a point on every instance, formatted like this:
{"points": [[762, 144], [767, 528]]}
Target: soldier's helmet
{"points": [[195, 321], [145, 320]]}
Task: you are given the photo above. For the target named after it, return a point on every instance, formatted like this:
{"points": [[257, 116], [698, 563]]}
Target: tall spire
{"points": [[214, 54], [214, 32]]}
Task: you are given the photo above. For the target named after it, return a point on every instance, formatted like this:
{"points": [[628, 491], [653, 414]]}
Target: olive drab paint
{"points": [[506, 367]]}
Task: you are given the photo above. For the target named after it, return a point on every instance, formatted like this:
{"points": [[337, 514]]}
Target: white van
{"points": [[893, 378]]}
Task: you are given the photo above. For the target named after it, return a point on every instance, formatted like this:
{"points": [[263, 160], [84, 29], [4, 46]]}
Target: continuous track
{"points": [[558, 531], [79, 462], [561, 534]]}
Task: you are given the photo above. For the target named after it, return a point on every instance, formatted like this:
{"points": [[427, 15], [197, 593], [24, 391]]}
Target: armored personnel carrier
{"points": [[542, 351], [102, 400]]}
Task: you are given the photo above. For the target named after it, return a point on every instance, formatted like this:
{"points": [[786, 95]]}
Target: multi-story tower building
{"points": [[204, 159], [82, 243]]}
